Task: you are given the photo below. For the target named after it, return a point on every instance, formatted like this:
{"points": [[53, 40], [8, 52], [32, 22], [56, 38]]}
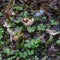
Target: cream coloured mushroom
{"points": [[52, 32], [28, 22]]}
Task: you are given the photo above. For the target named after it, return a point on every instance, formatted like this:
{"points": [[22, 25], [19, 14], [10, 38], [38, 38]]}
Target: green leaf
{"points": [[41, 27], [18, 20], [1, 32], [0, 57], [31, 29], [18, 8], [1, 14], [8, 51], [44, 17], [1, 43], [53, 22], [26, 14], [11, 58], [58, 42]]}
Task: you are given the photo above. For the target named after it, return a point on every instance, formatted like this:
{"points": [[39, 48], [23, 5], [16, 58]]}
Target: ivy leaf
{"points": [[8, 51], [1, 32], [31, 29], [18, 20], [53, 22], [41, 27], [18, 8], [0, 57], [1, 14], [58, 42], [1, 42], [44, 17], [26, 14]]}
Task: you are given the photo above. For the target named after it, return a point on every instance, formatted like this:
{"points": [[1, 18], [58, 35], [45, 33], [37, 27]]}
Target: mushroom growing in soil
{"points": [[13, 35], [28, 22], [12, 32], [52, 32]]}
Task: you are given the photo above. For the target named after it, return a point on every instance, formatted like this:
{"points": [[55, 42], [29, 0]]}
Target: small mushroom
{"points": [[15, 37], [28, 22], [52, 32], [6, 25], [15, 34]]}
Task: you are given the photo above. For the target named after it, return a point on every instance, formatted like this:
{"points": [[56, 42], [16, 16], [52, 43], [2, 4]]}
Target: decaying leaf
{"points": [[28, 22]]}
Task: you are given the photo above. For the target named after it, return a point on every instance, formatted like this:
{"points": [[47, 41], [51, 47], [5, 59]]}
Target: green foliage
{"points": [[31, 29], [29, 49], [25, 14], [18, 20], [8, 51], [37, 19], [1, 42], [29, 46], [41, 27], [0, 57], [24, 54], [11, 58], [1, 33], [1, 14], [19, 8], [22, 28], [34, 43], [44, 17], [58, 42], [53, 22]]}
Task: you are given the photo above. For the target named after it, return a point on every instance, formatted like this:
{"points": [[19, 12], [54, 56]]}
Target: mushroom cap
{"points": [[52, 32], [27, 21]]}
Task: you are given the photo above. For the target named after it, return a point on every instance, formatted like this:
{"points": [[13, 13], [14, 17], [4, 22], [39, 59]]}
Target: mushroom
{"points": [[28, 22], [12, 32], [52, 33], [13, 35], [6, 25]]}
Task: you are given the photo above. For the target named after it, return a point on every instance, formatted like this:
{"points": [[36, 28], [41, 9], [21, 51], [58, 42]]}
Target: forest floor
{"points": [[29, 29]]}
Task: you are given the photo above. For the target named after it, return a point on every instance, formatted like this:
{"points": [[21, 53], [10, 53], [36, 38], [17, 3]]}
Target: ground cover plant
{"points": [[29, 30]]}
